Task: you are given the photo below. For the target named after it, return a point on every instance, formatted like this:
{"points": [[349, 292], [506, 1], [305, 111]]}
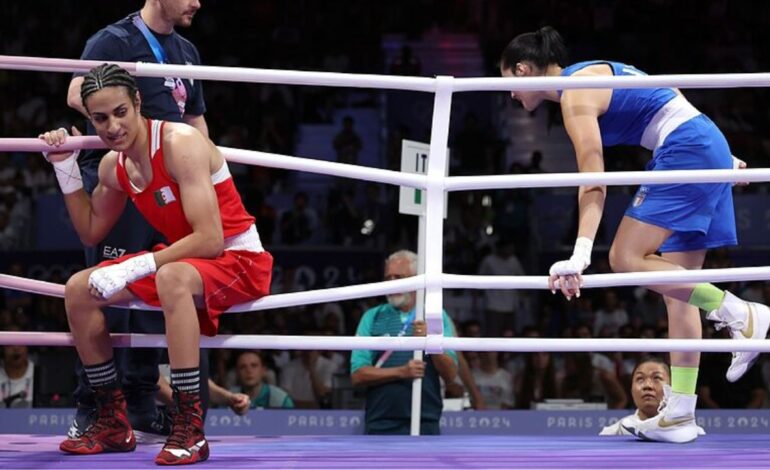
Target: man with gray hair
{"points": [[388, 375]]}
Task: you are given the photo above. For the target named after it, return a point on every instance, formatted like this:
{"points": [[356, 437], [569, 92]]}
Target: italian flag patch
{"points": [[164, 196]]}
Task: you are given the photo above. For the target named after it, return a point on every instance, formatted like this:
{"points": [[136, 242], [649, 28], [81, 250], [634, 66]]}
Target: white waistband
{"points": [[666, 120], [248, 240]]}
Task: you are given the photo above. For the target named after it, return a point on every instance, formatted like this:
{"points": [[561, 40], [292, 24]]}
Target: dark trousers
{"points": [[138, 367]]}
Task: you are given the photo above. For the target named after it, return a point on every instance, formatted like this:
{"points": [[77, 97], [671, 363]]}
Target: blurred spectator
{"points": [[8, 173], [337, 358], [464, 384], [17, 378], [6, 319], [471, 329], [330, 317], [535, 162], [650, 308], [467, 237], [15, 299], [535, 375], [537, 382], [502, 307], [38, 178], [611, 316], [592, 377], [583, 312], [347, 142], [9, 234], [495, 383], [342, 218], [265, 214], [299, 223], [250, 372], [515, 363], [308, 379], [512, 216]]}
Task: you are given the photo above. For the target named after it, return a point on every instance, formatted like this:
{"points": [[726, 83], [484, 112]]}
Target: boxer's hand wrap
{"points": [[579, 261], [110, 280], [67, 170]]}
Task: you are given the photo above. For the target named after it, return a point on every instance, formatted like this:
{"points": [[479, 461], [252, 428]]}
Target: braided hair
{"points": [[107, 75]]}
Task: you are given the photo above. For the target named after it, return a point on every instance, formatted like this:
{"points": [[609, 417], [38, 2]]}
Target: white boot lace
{"points": [[733, 325]]}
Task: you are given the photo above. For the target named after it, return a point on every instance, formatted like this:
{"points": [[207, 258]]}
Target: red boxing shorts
{"points": [[235, 277]]}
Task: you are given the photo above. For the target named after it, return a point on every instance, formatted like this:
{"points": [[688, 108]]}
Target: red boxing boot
{"points": [[187, 444], [111, 432]]}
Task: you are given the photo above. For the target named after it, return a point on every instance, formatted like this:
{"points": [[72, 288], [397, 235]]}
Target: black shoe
{"points": [[154, 431], [85, 416]]}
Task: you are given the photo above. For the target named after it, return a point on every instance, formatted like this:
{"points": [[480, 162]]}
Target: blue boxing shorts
{"points": [[701, 215]]}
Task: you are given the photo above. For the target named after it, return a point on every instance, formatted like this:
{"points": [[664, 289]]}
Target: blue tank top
{"points": [[630, 109]]}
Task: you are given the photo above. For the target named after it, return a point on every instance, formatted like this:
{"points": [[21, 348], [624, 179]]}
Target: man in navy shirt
{"points": [[147, 36]]}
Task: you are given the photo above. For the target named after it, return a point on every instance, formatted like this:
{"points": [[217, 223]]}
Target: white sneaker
{"points": [[757, 321], [675, 421]]}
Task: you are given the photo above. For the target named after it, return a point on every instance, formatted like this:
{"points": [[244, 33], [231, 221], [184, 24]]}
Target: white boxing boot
{"points": [[675, 421], [746, 320]]}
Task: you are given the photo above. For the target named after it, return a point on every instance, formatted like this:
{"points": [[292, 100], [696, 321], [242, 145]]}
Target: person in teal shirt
{"points": [[250, 370], [388, 375]]}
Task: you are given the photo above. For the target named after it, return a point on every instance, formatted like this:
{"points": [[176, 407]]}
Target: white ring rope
{"points": [[293, 77], [407, 343], [292, 299], [446, 281], [615, 178], [251, 157], [451, 183], [229, 74], [434, 281], [650, 278]]}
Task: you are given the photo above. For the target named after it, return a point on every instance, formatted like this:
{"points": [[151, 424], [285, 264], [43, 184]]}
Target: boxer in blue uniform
{"points": [[680, 221]]}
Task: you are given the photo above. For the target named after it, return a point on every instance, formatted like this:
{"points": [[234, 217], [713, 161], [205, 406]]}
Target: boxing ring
{"points": [[448, 451], [425, 452]]}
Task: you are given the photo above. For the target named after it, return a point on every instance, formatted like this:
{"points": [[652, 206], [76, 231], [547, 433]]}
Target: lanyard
{"points": [[178, 90], [386, 355], [409, 320], [157, 49]]}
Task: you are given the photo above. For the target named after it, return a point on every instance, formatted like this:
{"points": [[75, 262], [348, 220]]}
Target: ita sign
{"points": [[414, 159]]}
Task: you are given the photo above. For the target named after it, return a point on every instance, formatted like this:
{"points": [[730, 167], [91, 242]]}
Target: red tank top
{"points": [[161, 204]]}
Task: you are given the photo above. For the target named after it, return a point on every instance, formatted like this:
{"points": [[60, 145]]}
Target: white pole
{"points": [[419, 316], [430, 255]]}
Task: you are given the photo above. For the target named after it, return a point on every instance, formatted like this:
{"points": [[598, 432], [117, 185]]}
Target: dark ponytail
{"points": [[107, 75], [542, 48]]}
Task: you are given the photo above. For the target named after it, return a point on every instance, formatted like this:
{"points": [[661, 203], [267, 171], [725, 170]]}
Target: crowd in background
{"points": [[485, 233]]}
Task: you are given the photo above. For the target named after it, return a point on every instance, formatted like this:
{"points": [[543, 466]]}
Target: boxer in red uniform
{"points": [[181, 184]]}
